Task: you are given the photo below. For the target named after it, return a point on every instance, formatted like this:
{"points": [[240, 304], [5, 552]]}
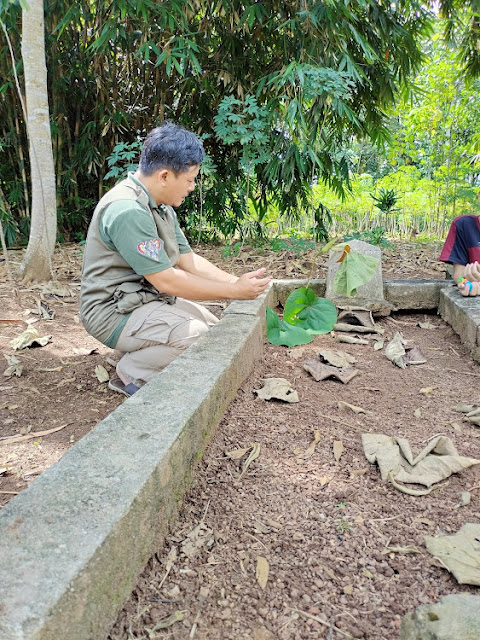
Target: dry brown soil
{"points": [[331, 533]]}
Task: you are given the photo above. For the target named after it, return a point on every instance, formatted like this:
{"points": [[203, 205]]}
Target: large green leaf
{"points": [[281, 333], [355, 269], [315, 315]]}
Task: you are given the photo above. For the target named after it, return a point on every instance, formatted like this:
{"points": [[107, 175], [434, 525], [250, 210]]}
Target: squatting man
{"points": [[140, 275]]}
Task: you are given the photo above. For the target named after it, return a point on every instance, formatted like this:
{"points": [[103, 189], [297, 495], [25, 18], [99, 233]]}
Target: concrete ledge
{"points": [[463, 314], [414, 294], [74, 542]]}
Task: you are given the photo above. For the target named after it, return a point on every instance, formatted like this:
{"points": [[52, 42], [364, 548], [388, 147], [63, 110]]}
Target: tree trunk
{"points": [[43, 230]]}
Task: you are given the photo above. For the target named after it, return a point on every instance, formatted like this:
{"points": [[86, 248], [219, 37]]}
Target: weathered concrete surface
{"points": [[414, 294], [455, 617], [463, 314], [72, 544]]}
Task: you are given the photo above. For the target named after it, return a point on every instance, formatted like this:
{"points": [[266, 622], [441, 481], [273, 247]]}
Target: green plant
{"points": [[374, 236], [228, 250], [305, 314], [386, 200], [343, 525], [120, 160]]}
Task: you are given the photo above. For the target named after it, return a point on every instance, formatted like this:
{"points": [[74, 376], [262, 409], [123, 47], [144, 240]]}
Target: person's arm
{"points": [[199, 266], [181, 283]]}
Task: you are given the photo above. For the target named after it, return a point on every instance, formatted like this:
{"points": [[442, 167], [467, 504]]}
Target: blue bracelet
{"points": [[470, 286]]}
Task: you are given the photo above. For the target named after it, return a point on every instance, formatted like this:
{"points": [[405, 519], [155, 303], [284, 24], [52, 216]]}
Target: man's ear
{"points": [[162, 175]]}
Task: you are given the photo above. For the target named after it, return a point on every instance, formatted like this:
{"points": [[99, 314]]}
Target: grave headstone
{"points": [[369, 295]]}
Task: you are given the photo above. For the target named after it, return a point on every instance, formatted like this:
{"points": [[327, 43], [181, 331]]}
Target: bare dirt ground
{"points": [[331, 534]]}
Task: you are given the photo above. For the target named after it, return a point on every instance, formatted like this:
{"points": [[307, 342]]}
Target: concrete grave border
{"points": [[74, 542]]}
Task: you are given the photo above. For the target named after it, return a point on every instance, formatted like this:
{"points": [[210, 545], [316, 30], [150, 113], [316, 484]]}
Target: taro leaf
{"points": [[355, 270], [261, 572], [315, 315], [459, 553], [281, 333]]}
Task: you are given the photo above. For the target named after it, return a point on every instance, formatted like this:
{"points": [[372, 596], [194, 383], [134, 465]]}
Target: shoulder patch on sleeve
{"points": [[150, 248]]}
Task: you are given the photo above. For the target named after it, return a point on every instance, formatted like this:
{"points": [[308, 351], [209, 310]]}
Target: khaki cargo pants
{"points": [[155, 334]]}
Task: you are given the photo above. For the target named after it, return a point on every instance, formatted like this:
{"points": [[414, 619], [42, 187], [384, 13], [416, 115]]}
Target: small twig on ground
{"points": [[455, 352], [29, 436], [10, 492], [474, 488], [465, 373], [321, 621], [347, 424]]}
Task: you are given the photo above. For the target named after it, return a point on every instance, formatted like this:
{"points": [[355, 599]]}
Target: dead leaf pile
{"points": [[401, 355], [436, 462], [471, 411]]}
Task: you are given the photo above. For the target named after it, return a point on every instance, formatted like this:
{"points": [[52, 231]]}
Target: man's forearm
{"points": [[199, 266], [177, 282]]}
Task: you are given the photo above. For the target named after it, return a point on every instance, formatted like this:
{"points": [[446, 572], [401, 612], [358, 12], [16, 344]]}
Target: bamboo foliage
{"points": [[324, 70]]}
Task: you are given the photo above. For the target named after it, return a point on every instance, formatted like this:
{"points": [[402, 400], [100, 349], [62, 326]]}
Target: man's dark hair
{"points": [[170, 146]]}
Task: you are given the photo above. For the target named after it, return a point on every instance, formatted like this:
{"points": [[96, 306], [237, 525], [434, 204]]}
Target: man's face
{"points": [[176, 187]]}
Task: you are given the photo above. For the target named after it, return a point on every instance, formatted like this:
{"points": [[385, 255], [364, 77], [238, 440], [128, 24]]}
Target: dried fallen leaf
{"points": [[255, 452], [379, 344], [322, 371], [85, 352], [401, 550], [339, 358], [277, 388], [177, 616], [15, 366], [459, 553], [427, 391], [236, 454], [338, 449], [351, 339], [427, 325], [29, 338], [395, 350], [417, 413], [345, 405], [261, 572], [101, 373], [311, 449], [324, 480]]}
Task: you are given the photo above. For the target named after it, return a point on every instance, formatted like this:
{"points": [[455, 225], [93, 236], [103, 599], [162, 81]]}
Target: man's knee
{"points": [[187, 333]]}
